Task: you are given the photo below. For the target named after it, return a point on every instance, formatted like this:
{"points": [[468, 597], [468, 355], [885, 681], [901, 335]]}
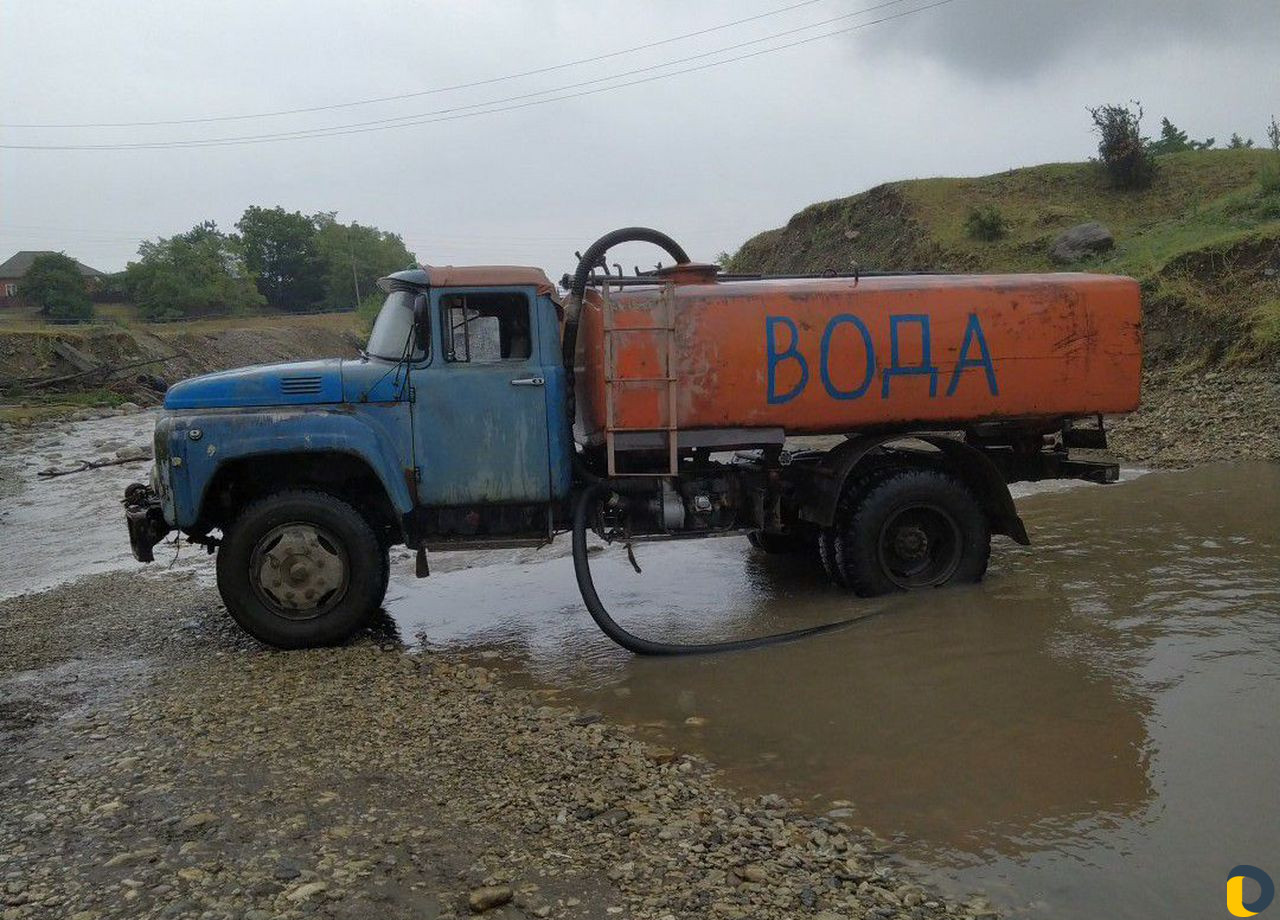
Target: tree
{"points": [[354, 257], [1173, 140], [54, 284], [280, 250], [197, 273], [1270, 175], [1122, 149], [1239, 143], [109, 289]]}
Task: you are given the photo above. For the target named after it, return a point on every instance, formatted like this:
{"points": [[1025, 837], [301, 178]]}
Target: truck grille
{"points": [[299, 386]]}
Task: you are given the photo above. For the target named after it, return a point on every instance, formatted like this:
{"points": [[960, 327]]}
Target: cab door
{"points": [[480, 410]]}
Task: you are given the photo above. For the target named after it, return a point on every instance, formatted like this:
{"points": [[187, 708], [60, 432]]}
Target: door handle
{"points": [[528, 382]]}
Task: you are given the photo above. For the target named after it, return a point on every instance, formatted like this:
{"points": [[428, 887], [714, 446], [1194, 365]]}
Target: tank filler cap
{"points": [[690, 273]]}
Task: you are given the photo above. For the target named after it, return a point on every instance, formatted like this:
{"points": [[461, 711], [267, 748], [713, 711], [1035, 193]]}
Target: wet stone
{"points": [[286, 870], [489, 897]]}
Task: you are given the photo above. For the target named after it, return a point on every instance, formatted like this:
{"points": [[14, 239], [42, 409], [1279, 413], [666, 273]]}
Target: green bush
{"points": [[55, 285], [1270, 175], [370, 307], [986, 223], [1123, 151], [1266, 325]]}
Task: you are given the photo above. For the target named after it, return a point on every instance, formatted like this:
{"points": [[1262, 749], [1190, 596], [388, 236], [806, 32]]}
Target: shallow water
{"points": [[54, 530], [1090, 732]]}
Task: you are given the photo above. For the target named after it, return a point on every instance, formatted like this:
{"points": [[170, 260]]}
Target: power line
{"points": [[458, 112], [475, 106], [413, 233], [90, 236], [426, 92]]}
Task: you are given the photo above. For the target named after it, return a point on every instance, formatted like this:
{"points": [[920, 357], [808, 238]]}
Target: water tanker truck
{"points": [[489, 410]]}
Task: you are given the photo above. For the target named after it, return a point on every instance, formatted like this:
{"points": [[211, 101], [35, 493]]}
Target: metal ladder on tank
{"points": [[615, 382]]}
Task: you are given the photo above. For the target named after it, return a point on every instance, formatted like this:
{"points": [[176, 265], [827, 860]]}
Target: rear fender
{"points": [[829, 478]]}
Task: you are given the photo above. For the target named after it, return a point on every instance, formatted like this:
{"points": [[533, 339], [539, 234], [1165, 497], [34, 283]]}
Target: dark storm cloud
{"points": [[999, 39]]}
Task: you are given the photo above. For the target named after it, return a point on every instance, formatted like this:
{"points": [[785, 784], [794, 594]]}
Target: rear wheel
{"points": [[911, 530], [300, 569], [828, 557]]}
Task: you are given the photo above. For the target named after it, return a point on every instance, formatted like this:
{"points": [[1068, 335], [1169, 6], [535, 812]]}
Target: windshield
{"points": [[393, 329]]}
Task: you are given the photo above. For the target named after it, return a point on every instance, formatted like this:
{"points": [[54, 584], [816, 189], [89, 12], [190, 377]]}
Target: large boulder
{"points": [[1080, 242]]}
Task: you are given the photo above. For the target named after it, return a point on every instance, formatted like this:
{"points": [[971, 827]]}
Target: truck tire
{"points": [[912, 530], [301, 569], [828, 557]]}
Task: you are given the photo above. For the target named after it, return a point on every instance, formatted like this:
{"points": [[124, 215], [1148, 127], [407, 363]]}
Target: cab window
{"points": [[485, 328]]}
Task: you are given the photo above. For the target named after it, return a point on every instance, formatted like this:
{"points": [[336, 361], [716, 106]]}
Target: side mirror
{"points": [[422, 322]]}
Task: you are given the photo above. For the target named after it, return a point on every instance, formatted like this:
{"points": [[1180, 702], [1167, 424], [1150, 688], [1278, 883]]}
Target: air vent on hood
{"points": [[299, 386]]}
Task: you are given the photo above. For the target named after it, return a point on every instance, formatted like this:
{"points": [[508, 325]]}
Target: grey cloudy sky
{"points": [[713, 156]]}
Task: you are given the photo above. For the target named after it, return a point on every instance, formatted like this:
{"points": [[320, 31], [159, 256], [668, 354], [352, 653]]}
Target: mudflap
{"points": [[145, 518]]}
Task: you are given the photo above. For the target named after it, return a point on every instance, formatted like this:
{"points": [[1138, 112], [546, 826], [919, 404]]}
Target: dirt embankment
{"points": [[47, 366]]}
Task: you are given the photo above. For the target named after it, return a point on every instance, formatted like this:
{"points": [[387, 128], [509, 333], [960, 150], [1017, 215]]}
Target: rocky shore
{"points": [[1191, 416], [154, 762]]}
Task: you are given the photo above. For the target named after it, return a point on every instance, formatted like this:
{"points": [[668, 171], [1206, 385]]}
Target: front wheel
{"points": [[301, 569], [911, 530]]}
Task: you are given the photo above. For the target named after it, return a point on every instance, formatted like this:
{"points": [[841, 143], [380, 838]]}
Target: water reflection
{"points": [[1091, 731]]}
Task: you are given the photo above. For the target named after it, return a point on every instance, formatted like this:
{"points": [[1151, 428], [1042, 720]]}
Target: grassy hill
{"points": [[1204, 240]]}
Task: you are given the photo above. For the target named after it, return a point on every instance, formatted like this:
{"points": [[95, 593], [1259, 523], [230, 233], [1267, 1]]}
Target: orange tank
{"points": [[836, 355]]}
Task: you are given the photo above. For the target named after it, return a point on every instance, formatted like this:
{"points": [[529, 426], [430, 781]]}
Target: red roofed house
{"points": [[13, 268]]}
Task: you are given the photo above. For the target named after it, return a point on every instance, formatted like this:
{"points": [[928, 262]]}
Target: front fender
{"points": [[198, 444]]}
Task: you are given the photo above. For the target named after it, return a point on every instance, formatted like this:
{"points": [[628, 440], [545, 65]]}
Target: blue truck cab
{"points": [[449, 429]]}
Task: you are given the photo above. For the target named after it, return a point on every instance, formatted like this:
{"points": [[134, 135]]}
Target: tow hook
{"points": [[145, 518]]}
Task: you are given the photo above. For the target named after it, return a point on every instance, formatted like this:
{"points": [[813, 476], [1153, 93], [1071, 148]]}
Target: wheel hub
{"points": [[911, 543], [920, 546], [299, 568]]}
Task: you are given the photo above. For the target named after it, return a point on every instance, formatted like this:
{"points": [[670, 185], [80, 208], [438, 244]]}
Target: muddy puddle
{"points": [[1091, 732]]}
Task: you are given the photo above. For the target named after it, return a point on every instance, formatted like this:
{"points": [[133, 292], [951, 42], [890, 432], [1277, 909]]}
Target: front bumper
{"points": [[145, 518]]}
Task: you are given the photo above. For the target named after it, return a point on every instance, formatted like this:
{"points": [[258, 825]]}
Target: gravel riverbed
{"points": [[155, 762]]}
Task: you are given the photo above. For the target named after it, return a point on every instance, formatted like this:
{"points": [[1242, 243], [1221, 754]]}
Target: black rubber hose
{"points": [[595, 252], [592, 485], [586, 499], [587, 263]]}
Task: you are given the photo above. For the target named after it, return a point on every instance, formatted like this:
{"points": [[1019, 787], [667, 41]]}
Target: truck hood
{"points": [[296, 383]]}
